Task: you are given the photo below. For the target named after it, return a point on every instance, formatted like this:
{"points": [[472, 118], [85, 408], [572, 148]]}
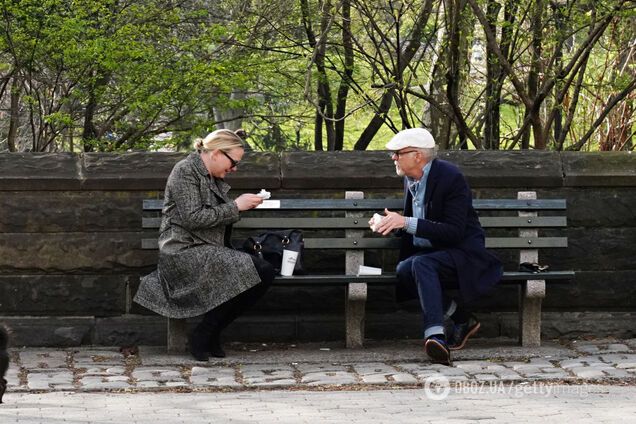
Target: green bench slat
{"points": [[380, 204], [394, 243], [362, 223]]}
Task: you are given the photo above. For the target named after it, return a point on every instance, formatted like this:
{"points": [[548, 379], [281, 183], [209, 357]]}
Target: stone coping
{"points": [[314, 170]]}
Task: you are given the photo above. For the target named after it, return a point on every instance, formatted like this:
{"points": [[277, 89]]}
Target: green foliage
{"points": [[118, 75]]}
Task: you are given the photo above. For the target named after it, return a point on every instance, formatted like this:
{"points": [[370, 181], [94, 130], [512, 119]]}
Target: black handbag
{"points": [[270, 244]]}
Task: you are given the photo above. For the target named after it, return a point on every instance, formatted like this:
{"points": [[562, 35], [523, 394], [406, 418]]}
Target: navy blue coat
{"points": [[452, 225]]}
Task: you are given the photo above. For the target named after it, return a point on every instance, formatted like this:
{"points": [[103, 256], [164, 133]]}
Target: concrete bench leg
{"points": [[355, 309], [356, 296], [532, 294], [177, 335], [533, 291]]}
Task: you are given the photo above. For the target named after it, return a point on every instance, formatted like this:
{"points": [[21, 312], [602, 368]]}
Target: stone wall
{"points": [[70, 231]]}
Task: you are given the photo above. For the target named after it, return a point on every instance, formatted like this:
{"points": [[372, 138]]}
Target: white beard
{"points": [[399, 170]]}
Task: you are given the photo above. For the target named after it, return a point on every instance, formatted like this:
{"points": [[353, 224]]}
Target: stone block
{"points": [[99, 295], [71, 211], [518, 169], [130, 171], [49, 331], [73, 252], [39, 171], [144, 171], [599, 290], [599, 169], [595, 249], [600, 206], [128, 330], [330, 170], [576, 324]]}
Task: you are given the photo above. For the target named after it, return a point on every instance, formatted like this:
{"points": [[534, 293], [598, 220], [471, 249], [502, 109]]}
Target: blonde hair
{"points": [[219, 139]]}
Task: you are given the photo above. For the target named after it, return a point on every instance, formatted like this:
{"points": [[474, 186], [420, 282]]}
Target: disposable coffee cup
{"points": [[289, 262]]}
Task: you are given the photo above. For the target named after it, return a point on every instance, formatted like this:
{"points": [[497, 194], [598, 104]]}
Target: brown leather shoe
{"points": [[462, 332]]}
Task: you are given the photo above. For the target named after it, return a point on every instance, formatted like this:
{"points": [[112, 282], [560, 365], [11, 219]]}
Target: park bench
{"points": [[342, 224]]}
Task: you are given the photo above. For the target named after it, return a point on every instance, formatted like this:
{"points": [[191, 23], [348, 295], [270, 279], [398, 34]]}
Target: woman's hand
{"points": [[248, 201], [392, 221]]}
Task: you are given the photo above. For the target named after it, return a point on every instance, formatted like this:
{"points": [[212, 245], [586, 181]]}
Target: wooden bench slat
{"points": [[380, 204], [361, 223], [525, 242], [512, 277], [394, 243]]}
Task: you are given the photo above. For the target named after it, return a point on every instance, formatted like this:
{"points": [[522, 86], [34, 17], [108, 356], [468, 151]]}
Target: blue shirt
{"points": [[418, 192]]}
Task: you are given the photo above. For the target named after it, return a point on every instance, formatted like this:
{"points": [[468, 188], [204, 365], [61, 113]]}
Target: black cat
{"points": [[4, 359]]}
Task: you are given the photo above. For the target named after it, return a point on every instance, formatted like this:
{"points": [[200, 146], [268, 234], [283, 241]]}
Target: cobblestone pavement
{"points": [[389, 381], [388, 364], [534, 404]]}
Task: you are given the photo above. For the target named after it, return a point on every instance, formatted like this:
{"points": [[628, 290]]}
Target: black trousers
{"points": [[221, 316]]}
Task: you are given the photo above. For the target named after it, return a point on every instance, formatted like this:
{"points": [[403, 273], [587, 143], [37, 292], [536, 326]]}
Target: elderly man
{"points": [[442, 243]]}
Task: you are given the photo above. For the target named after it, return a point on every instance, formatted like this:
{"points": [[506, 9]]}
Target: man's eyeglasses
{"points": [[234, 162], [398, 154]]}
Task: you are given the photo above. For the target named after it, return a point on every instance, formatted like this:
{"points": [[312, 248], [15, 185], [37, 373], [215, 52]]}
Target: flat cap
{"points": [[411, 137]]}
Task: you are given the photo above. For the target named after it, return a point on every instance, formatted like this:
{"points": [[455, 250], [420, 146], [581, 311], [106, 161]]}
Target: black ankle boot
{"points": [[215, 347], [199, 345]]}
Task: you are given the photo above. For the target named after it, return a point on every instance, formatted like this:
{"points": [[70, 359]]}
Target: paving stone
{"points": [[104, 371], [315, 375], [97, 357], [486, 377], [213, 377], [570, 363], [540, 362], [35, 359], [59, 379], [617, 347], [548, 376], [105, 383], [380, 373], [617, 373], [553, 370], [421, 370], [13, 377], [158, 377], [588, 372], [508, 375], [473, 366], [268, 375], [621, 360]]}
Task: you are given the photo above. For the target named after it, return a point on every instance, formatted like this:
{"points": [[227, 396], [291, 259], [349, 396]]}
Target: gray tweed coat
{"points": [[196, 270]]}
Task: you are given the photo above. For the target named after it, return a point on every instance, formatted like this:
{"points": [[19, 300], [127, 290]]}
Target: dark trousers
{"points": [[430, 274], [221, 316]]}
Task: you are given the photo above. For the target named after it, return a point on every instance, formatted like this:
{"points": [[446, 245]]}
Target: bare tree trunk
{"points": [[345, 81], [461, 28], [325, 108], [14, 115], [89, 132], [493, 84], [413, 44], [532, 112]]}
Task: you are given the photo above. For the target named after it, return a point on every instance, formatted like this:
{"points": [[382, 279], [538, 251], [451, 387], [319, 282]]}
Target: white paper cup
{"points": [[289, 262]]}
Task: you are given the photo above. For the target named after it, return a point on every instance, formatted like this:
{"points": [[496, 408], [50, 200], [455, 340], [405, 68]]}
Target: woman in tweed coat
{"points": [[198, 272]]}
